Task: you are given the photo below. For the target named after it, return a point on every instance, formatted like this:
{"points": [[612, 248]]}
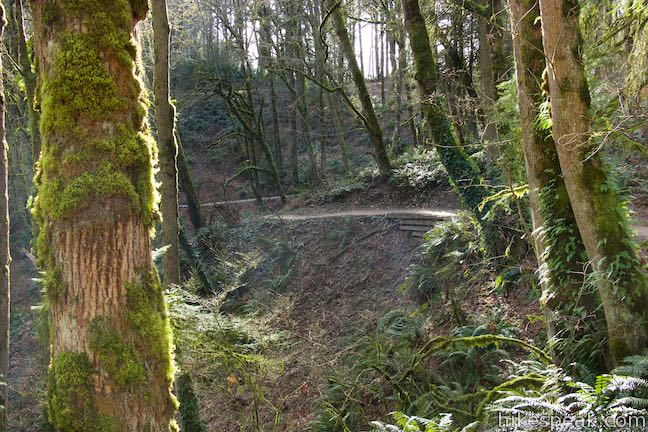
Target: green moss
{"points": [[51, 13], [60, 199], [96, 152], [147, 315], [71, 402], [80, 102], [190, 417], [116, 357], [79, 85], [53, 284]]}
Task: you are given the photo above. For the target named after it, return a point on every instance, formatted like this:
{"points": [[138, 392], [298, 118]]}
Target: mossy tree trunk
{"points": [[462, 171], [165, 122], [29, 77], [559, 247], [266, 63], [5, 257], [489, 93], [601, 216], [190, 418], [110, 340], [187, 186], [403, 86], [638, 76], [370, 119]]}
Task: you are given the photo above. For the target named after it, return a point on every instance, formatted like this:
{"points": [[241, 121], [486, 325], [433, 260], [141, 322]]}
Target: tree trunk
{"points": [[371, 121], [638, 76], [462, 172], [320, 70], [306, 130], [165, 122], [488, 89], [5, 257], [265, 63], [110, 337], [344, 148], [600, 215], [403, 86], [294, 142], [187, 186], [555, 231], [30, 81]]}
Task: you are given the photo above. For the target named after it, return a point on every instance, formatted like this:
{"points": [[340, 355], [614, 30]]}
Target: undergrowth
{"points": [[417, 168], [225, 355]]}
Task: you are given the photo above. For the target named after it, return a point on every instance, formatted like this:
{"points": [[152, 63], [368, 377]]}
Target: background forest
{"points": [[363, 215]]}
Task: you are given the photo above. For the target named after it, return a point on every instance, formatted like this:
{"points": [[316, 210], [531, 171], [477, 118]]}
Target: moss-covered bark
{"points": [[464, 175], [190, 417], [638, 76], [111, 365], [29, 77], [600, 214], [370, 118], [559, 247]]}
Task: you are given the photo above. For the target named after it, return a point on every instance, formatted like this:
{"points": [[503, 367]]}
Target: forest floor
{"points": [[349, 267], [27, 367]]}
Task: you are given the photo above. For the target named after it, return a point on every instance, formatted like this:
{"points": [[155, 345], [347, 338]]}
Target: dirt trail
{"points": [[639, 225], [440, 214]]}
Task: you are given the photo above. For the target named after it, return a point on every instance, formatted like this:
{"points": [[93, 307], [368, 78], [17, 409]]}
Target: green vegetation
{"points": [[70, 381], [147, 316], [121, 362], [530, 300]]}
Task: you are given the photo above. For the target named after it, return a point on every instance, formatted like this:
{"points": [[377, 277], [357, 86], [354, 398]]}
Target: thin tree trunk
{"points": [[555, 230], [294, 143], [361, 47], [109, 329], [488, 89], [600, 215], [30, 81], [5, 257], [382, 72], [321, 76], [165, 122], [373, 126], [344, 148], [265, 63], [403, 87], [276, 130], [462, 172], [188, 188]]}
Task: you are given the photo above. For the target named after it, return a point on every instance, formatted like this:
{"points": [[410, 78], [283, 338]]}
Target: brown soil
{"points": [[347, 274]]}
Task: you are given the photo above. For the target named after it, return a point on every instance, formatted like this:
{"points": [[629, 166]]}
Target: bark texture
{"points": [[165, 122], [601, 216], [110, 341]]}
